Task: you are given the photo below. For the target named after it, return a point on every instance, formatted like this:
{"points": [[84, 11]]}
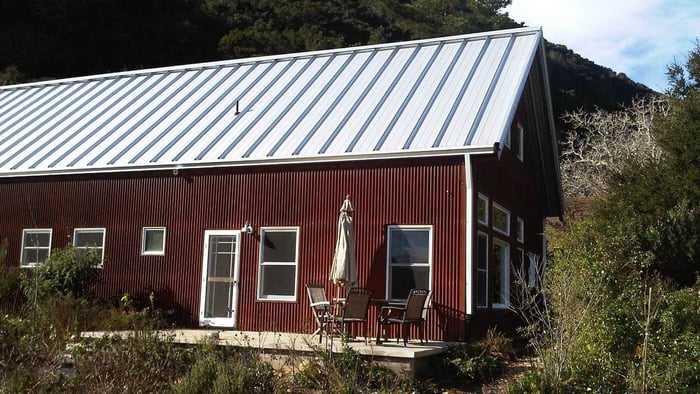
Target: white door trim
{"points": [[230, 321]]}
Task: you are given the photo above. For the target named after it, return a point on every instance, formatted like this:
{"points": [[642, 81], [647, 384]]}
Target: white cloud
{"points": [[637, 37]]}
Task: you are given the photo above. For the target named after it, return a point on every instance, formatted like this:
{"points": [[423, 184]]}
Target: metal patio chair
{"points": [[320, 307], [354, 309], [413, 312]]}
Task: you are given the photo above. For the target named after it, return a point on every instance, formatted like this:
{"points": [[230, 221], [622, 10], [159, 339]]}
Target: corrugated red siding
{"points": [[417, 191]]}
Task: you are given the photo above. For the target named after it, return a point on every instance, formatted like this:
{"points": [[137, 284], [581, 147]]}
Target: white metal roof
{"points": [[435, 96]]}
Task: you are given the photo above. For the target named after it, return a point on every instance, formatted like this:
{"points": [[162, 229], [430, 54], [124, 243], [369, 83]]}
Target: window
{"points": [[500, 278], [534, 271], [483, 210], [482, 272], [90, 239], [153, 241], [517, 140], [521, 279], [500, 219], [277, 272], [36, 246], [409, 255], [520, 230]]}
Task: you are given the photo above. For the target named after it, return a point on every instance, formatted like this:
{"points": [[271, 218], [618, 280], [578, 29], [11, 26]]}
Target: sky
{"points": [[636, 37]]}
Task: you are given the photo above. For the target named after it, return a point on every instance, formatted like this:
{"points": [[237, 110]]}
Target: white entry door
{"points": [[220, 270]]}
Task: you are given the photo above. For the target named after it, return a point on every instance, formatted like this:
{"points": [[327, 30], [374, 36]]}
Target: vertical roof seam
{"points": [[357, 102], [126, 118], [184, 113], [408, 97], [313, 103], [382, 100], [462, 91], [291, 103], [211, 124], [226, 129], [137, 124], [79, 130], [55, 123], [492, 86], [269, 105]]}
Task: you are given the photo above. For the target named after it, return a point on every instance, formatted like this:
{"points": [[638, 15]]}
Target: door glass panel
{"points": [[220, 271]]}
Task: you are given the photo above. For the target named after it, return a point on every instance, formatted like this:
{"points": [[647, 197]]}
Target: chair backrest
{"points": [[416, 303], [357, 303], [317, 296]]}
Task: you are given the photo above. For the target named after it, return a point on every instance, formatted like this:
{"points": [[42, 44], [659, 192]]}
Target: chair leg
{"points": [[379, 341], [404, 333]]}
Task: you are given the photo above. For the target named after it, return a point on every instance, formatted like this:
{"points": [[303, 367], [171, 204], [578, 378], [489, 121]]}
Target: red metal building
{"points": [[217, 186]]}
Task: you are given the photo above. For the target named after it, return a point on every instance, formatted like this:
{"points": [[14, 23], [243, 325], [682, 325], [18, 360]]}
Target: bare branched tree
{"points": [[599, 143], [554, 314]]}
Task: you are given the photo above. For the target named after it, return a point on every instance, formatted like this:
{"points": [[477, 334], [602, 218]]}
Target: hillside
{"points": [[47, 39]]}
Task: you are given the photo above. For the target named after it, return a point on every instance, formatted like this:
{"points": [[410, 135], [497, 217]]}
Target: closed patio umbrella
{"points": [[344, 270]]}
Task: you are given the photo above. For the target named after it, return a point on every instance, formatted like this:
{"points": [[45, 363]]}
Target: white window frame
{"points": [[145, 252], [497, 207], [389, 264], [484, 270], [24, 246], [485, 199], [505, 275], [103, 230], [520, 148], [520, 229], [261, 264]]}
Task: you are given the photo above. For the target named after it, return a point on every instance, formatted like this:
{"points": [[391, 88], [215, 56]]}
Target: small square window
{"points": [[500, 219], [153, 241], [483, 210], [36, 247]]}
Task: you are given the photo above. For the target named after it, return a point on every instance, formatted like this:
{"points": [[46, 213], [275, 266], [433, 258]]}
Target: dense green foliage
{"points": [[64, 38], [67, 272], [625, 276]]}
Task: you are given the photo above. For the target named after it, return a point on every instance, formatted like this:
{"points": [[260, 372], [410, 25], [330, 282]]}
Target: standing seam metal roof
{"points": [[442, 95]]}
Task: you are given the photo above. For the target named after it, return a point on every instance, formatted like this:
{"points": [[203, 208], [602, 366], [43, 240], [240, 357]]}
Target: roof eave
{"points": [[177, 166]]}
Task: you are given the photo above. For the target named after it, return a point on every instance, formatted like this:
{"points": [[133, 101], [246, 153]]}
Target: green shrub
{"points": [[144, 361], [480, 361], [67, 272], [531, 382], [227, 370], [347, 372]]}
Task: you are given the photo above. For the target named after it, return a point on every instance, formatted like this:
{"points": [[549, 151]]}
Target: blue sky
{"points": [[636, 37]]}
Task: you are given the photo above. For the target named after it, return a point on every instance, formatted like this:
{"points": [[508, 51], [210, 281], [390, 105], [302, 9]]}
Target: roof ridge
{"points": [[277, 57]]}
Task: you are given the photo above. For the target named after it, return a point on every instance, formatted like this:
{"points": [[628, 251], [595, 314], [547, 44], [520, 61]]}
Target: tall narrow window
{"points": [[519, 262], [90, 239], [517, 140], [482, 270], [277, 271], [500, 219], [153, 241], [409, 255], [483, 210], [36, 246], [520, 230], [500, 278]]}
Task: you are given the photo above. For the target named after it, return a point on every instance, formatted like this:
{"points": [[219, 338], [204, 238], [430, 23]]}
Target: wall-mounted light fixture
{"points": [[247, 228]]}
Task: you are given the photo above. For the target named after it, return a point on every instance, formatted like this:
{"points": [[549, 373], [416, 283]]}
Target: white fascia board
{"points": [[437, 152]]}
